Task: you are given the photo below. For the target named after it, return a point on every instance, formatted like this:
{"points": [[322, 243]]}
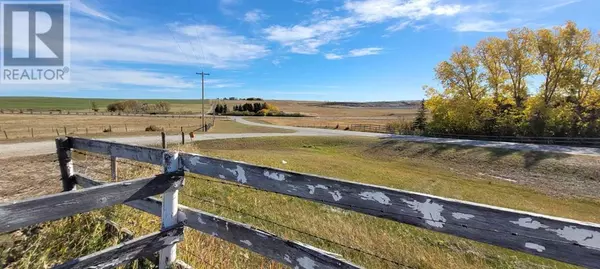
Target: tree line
{"points": [[133, 106], [542, 82]]}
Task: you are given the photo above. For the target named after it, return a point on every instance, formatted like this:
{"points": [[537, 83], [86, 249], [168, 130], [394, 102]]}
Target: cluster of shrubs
{"points": [[256, 109], [154, 128], [221, 109], [133, 106]]}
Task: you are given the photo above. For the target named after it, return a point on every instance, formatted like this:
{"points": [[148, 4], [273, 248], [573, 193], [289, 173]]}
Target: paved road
{"points": [[45, 147], [463, 142]]}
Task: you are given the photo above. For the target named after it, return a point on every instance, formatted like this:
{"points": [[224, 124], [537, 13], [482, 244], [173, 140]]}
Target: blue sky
{"points": [[343, 50]]}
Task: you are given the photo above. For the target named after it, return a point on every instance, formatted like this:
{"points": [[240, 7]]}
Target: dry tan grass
{"points": [[321, 122], [314, 108], [25, 177], [18, 126]]}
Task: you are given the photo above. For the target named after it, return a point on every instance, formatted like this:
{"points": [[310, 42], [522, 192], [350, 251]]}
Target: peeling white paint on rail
{"points": [[379, 197], [538, 248], [432, 212], [336, 195], [239, 173], [306, 263], [458, 215], [311, 188], [274, 175], [196, 161], [584, 237], [529, 223], [287, 258], [246, 242]]}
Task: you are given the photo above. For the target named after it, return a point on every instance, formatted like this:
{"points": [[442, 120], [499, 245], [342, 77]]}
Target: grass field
{"points": [[18, 126], [85, 104], [329, 122], [366, 160], [311, 108], [314, 108]]}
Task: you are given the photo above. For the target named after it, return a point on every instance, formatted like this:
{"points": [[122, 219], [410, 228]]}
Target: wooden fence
{"points": [[556, 238], [68, 112]]}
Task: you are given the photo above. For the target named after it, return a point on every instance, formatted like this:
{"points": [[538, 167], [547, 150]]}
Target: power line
{"points": [[197, 33], [173, 36]]}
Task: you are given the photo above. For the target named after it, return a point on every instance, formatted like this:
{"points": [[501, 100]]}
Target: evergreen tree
{"points": [[224, 109], [420, 121]]}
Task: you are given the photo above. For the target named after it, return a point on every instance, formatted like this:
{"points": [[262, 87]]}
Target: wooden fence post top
{"points": [[63, 151]]}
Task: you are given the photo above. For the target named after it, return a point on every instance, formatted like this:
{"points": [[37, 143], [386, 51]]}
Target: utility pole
{"points": [[203, 74]]}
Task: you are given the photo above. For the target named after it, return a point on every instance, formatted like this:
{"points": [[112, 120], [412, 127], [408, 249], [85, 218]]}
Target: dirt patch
{"points": [[555, 174], [25, 177]]}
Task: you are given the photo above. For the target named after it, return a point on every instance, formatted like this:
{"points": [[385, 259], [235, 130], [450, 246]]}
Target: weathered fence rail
{"points": [[19, 214], [561, 239]]}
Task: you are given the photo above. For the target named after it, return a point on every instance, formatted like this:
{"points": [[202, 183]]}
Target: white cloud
{"points": [[323, 28], [80, 7], [226, 6], [354, 53], [488, 26], [381, 10], [254, 16], [398, 26], [558, 5], [507, 14], [101, 77], [333, 56], [207, 45], [364, 52], [309, 2], [306, 39]]}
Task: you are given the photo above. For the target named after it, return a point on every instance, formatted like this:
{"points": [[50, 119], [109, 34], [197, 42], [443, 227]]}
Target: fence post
{"points": [[57, 134], [63, 151], [113, 168], [5, 134], [164, 140], [168, 255], [31, 132], [182, 138], [65, 128]]}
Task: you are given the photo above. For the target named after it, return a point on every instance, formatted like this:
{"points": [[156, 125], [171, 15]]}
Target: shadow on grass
{"points": [[529, 158]]}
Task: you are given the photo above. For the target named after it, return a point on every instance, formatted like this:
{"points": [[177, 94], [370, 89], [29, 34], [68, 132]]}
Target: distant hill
{"points": [[383, 104]]}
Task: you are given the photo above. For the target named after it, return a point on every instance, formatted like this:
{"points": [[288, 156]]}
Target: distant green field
{"points": [[53, 103]]}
